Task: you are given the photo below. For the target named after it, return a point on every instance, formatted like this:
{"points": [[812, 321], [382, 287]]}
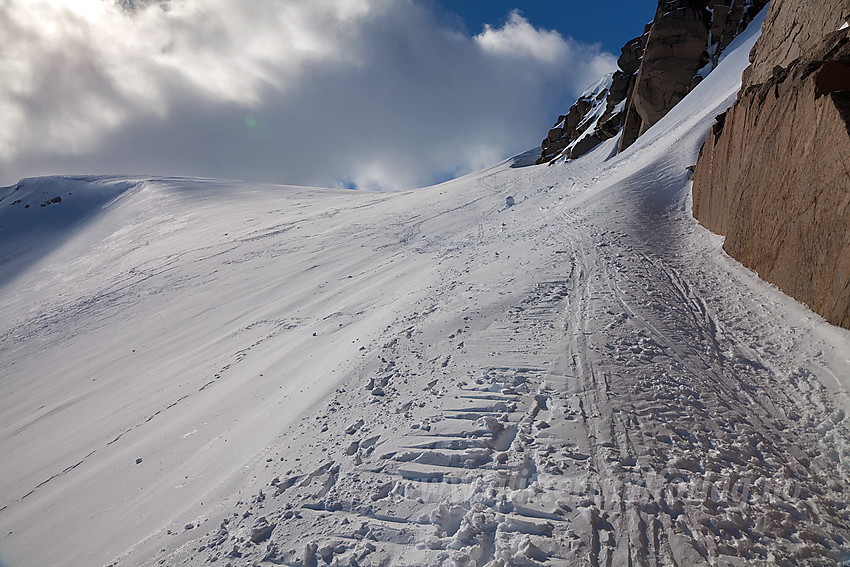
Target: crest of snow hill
{"points": [[774, 173]]}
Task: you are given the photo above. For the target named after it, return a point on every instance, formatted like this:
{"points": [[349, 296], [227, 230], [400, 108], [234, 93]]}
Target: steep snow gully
{"points": [[549, 365]]}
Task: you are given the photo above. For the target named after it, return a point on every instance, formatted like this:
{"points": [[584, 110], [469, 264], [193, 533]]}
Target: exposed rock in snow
{"points": [[598, 113], [685, 37], [728, 20], [675, 50]]}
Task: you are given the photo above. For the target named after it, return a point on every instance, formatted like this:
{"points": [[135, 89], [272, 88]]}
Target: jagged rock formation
{"points": [[598, 113], [685, 42], [774, 173], [656, 70]]}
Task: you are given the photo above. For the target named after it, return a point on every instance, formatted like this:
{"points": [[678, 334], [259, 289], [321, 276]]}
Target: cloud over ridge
{"points": [[376, 93]]}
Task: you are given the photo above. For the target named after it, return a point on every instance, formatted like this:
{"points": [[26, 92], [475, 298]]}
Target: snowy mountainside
{"points": [[683, 43], [203, 371], [31, 218]]}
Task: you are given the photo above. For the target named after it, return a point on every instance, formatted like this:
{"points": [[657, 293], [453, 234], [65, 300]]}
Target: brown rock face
{"points": [[675, 51], [774, 173], [728, 21], [791, 29]]}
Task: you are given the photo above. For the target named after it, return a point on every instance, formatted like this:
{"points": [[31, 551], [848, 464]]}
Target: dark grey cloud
{"points": [[378, 93]]}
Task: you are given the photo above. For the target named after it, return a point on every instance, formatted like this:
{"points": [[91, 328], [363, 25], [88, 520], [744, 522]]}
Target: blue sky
{"points": [[609, 22], [380, 94]]}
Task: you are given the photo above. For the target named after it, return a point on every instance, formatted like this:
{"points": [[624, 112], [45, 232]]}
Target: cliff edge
{"points": [[774, 173]]}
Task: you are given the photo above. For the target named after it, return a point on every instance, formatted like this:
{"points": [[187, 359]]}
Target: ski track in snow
{"points": [[223, 373]]}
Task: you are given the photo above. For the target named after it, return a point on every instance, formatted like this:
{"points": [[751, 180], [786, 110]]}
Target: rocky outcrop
{"points": [[675, 51], [685, 42], [598, 113], [655, 71], [774, 173]]}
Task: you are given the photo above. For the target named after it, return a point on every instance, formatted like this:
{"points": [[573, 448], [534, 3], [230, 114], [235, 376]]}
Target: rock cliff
{"points": [[678, 48], [774, 173], [791, 29]]}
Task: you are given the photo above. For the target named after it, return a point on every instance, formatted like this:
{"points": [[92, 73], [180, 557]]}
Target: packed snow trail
{"points": [[198, 371]]}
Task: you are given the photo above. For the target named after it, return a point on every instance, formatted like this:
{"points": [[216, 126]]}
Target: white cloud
{"points": [[518, 38], [374, 92]]}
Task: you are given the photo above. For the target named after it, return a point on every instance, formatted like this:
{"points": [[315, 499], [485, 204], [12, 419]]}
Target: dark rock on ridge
{"points": [[675, 51], [597, 115]]}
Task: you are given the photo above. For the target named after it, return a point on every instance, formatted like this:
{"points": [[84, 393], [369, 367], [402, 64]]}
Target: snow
{"points": [[602, 85], [595, 94], [194, 369]]}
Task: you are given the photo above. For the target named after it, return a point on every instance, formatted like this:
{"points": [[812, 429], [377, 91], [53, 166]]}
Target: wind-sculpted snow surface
{"points": [[230, 374]]}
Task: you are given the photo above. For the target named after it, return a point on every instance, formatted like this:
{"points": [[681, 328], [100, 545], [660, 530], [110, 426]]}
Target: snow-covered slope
{"points": [[195, 371]]}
